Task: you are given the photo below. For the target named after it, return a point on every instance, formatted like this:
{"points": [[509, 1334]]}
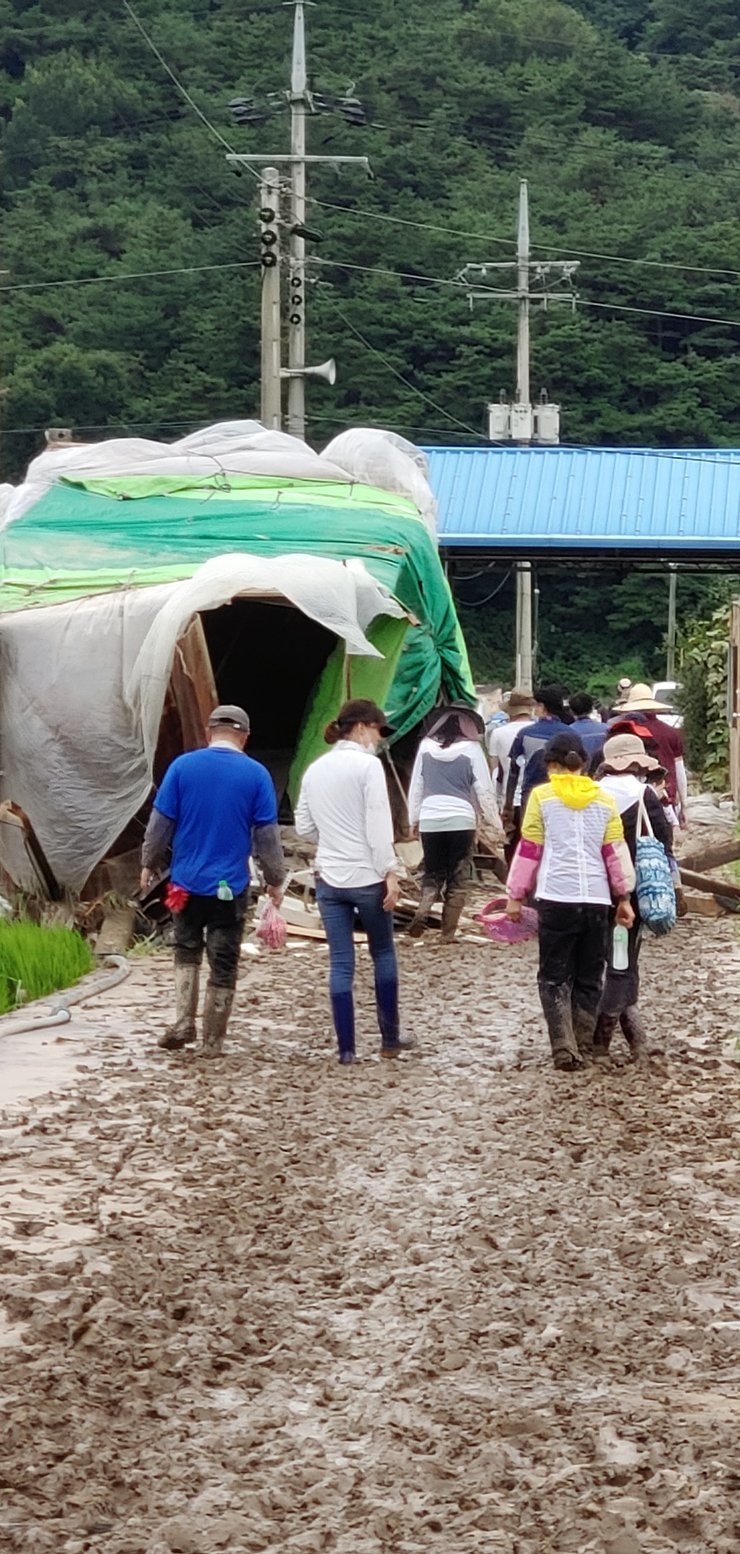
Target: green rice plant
{"points": [[37, 960]]}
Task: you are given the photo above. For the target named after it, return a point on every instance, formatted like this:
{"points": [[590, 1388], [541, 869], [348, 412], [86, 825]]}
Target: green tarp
{"points": [[94, 536]]}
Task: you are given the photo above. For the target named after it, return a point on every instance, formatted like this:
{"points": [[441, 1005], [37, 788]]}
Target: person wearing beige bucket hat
{"points": [[640, 712], [624, 775]]}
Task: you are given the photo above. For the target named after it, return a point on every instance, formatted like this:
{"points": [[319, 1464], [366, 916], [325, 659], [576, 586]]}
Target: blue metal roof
{"points": [[587, 498]]}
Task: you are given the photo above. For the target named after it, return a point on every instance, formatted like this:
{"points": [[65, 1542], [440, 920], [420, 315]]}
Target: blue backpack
{"points": [[656, 897]]}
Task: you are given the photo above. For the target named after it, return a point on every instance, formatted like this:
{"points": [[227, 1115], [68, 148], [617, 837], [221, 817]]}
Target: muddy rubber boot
{"points": [[635, 1034], [186, 1003], [216, 1011], [584, 1025], [451, 913], [606, 1026], [419, 920], [557, 1009]]}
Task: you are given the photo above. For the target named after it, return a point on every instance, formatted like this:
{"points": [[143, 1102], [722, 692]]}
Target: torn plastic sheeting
{"points": [[82, 688]]}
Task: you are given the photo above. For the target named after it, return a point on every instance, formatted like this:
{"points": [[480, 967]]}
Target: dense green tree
{"points": [[109, 173], [624, 115]]}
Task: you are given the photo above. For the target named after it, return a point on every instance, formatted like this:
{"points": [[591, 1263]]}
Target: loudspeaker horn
{"points": [[327, 372]]}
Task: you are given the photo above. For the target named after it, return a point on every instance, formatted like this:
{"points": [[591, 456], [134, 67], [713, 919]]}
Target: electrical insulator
{"points": [[269, 237]]}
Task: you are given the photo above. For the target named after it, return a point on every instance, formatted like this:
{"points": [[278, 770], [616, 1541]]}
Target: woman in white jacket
{"points": [[343, 807], [451, 790]]}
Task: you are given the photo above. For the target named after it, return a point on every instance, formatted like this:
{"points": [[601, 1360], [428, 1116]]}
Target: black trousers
{"points": [[216, 925], [447, 856], [574, 942], [513, 839]]}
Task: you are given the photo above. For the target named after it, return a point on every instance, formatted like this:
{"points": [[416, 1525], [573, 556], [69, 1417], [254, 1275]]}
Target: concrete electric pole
{"points": [[297, 277], [302, 102], [519, 421], [270, 367]]}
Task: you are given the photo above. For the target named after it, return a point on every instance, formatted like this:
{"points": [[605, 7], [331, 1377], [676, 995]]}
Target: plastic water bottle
{"points": [[620, 949], [224, 892]]}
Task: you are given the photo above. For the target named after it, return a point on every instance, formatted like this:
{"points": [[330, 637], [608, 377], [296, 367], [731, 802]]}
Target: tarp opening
{"points": [[268, 657]]}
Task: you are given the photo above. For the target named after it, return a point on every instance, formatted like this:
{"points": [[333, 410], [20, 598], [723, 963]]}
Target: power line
{"points": [[403, 275], [475, 604], [131, 275], [365, 269], [177, 83], [406, 381], [553, 248], [694, 318], [500, 291]]}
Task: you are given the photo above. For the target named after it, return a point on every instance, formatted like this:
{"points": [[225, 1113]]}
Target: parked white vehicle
{"points": [[665, 691]]}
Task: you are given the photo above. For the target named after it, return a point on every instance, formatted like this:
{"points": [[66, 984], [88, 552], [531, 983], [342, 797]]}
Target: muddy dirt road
{"points": [[456, 1303]]}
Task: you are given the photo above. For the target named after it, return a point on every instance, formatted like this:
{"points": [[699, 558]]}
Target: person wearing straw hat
{"points": [[624, 775], [639, 711]]}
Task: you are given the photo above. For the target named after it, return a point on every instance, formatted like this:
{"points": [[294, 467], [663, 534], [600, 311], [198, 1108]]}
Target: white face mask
{"points": [[370, 738]]}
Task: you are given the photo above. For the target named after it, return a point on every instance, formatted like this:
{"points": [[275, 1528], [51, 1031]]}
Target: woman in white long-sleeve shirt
{"points": [[450, 790], [343, 807]]}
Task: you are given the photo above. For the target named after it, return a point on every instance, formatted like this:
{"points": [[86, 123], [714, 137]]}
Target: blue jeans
{"points": [[339, 908]]}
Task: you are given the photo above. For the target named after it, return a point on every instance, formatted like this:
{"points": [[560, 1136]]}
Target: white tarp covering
{"points": [[363, 454], [384, 459], [82, 688], [230, 448]]}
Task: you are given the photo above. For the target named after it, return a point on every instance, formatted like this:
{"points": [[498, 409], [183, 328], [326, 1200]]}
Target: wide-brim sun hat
{"points": [[520, 701], [460, 709], [640, 698], [625, 750]]}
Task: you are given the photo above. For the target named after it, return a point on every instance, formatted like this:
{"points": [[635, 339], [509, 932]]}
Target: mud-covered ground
{"points": [[459, 1302]]}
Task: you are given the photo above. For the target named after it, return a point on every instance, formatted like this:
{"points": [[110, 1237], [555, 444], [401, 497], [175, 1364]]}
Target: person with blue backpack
{"points": [[623, 775]]}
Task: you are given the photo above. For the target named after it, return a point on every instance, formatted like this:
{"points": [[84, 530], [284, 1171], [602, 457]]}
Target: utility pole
{"points": [[522, 279], [302, 102], [519, 421], [670, 663], [524, 642], [297, 278], [270, 378]]}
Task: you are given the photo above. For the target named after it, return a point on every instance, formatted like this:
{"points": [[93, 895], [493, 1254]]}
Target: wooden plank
{"points": [[704, 856], [193, 685], [711, 886]]}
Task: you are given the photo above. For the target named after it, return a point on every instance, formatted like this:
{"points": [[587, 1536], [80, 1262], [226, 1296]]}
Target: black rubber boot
{"points": [[584, 1025], [555, 998], [606, 1026], [635, 1033]]}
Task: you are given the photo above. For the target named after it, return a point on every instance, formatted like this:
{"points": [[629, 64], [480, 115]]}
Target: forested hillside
{"points": [[624, 115]]}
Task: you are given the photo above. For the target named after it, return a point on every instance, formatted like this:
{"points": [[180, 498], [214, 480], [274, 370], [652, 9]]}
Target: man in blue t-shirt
{"points": [[213, 806]]}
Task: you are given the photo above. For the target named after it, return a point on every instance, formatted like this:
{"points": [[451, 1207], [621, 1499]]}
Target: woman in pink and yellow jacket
{"points": [[573, 856]]}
